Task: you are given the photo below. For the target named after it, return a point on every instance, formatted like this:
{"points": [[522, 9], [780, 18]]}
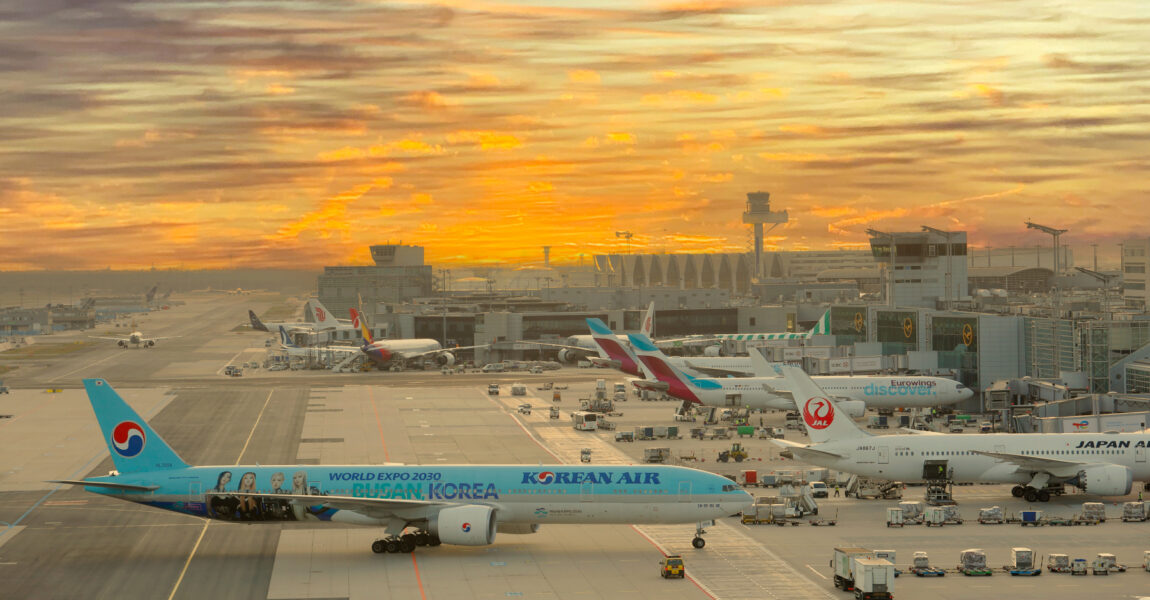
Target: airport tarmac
{"points": [[58, 542]]}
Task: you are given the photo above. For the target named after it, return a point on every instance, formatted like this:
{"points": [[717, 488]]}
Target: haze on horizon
{"points": [[295, 134]]}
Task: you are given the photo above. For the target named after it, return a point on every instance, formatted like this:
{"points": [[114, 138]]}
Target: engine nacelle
{"points": [[445, 359], [713, 351], [122, 344], [570, 356], [472, 525], [855, 409], [1106, 480], [517, 528], [149, 343]]}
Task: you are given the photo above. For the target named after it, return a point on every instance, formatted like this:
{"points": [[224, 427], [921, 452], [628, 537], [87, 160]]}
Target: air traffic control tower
{"points": [[759, 213]]}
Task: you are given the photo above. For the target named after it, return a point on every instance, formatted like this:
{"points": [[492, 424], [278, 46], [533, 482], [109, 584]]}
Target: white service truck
{"points": [[841, 565], [873, 578]]}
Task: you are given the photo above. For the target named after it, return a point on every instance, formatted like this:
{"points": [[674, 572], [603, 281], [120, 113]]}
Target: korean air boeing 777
{"points": [[451, 504]]}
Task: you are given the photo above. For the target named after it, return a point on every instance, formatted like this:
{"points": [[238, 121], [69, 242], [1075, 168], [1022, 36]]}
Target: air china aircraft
{"points": [[1102, 464], [451, 504], [853, 395], [323, 320]]}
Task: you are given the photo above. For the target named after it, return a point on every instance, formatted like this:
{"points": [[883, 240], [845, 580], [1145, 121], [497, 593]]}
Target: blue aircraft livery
{"points": [[902, 388], [450, 504]]}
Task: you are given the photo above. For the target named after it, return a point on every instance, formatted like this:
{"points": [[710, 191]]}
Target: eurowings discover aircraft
{"points": [[1102, 464], [451, 504], [853, 394]]}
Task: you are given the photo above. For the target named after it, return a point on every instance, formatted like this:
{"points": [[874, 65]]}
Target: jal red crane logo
{"points": [[818, 413]]}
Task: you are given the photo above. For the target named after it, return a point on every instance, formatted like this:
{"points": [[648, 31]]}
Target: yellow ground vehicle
{"points": [[672, 566]]}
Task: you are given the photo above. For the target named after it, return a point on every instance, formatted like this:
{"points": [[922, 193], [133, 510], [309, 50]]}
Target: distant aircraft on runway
{"points": [[136, 339], [1103, 464], [451, 504]]}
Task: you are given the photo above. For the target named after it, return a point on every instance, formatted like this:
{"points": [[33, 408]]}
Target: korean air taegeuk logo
{"points": [[818, 413]]}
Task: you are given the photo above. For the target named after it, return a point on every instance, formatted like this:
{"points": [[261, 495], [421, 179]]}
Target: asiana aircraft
{"points": [[464, 505]]}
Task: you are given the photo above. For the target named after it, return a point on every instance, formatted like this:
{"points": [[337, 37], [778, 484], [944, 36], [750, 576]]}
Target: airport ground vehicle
{"points": [[536, 370], [955, 427], [518, 389], [819, 489], [873, 578], [672, 567], [1058, 563], [841, 563], [1078, 567], [921, 566], [525, 408], [493, 389], [584, 421], [1022, 563], [585, 455], [624, 436], [972, 562], [737, 453], [554, 412], [3, 388], [233, 371], [493, 368]]}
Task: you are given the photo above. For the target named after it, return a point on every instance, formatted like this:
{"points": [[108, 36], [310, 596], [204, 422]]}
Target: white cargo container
{"points": [[841, 563], [934, 515], [873, 578]]}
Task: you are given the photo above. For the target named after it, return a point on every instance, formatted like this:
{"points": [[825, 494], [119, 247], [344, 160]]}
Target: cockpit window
{"points": [[730, 488]]}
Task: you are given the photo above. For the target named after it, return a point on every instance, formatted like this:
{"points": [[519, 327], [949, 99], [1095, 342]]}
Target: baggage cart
{"points": [[841, 565], [1022, 563], [1058, 563], [972, 563], [1111, 563], [1134, 512], [873, 578], [624, 436], [1031, 517], [894, 517], [992, 515], [1094, 511], [934, 516], [921, 566]]}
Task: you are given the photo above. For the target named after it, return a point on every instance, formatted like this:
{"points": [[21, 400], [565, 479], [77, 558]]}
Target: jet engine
{"points": [[570, 356], [149, 343], [122, 344], [445, 359], [855, 409], [517, 528], [1105, 480], [471, 525], [713, 351]]}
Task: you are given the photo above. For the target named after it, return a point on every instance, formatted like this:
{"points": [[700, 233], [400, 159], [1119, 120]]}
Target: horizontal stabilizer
{"points": [[127, 487]]}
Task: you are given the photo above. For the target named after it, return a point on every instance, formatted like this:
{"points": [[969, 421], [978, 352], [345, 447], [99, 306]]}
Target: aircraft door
{"points": [[1140, 455], [883, 455], [733, 400], [684, 491]]}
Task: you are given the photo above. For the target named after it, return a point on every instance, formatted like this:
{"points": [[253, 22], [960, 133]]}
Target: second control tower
{"points": [[757, 214]]}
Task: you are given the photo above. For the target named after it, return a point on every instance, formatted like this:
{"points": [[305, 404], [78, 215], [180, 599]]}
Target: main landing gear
{"points": [[1030, 494], [405, 543], [699, 542]]}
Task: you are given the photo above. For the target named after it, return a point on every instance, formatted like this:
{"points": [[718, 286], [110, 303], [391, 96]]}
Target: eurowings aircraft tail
{"points": [[285, 339], [135, 447], [357, 320], [823, 422], [649, 321], [257, 324], [680, 385], [613, 347]]}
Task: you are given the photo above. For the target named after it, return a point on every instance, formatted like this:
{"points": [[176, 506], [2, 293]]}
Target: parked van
{"points": [[492, 368]]}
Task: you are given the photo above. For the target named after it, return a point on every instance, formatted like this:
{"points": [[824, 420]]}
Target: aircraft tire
{"points": [[422, 538], [392, 546], [1031, 495], [1043, 496], [406, 546], [1017, 491], [698, 543], [378, 547]]}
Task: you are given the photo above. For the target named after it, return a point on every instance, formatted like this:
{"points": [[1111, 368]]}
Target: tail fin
{"points": [[648, 327], [822, 421], [680, 385], [357, 320], [611, 346], [135, 447], [823, 326], [257, 324], [323, 316], [285, 339]]}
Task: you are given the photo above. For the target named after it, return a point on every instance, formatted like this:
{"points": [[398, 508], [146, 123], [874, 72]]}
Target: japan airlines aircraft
{"points": [[853, 394], [450, 504], [135, 338], [1103, 464]]}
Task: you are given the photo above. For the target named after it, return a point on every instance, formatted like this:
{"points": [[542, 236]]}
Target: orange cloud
{"points": [[583, 76], [487, 140]]}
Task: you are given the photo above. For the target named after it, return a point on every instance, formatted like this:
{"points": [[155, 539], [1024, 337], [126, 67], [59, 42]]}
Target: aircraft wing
{"points": [[379, 508], [430, 352], [919, 431], [778, 392], [114, 339], [801, 449], [714, 371], [343, 349], [1054, 466], [567, 346], [685, 341]]}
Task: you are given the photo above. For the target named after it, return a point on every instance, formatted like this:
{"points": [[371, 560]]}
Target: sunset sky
{"points": [[293, 134]]}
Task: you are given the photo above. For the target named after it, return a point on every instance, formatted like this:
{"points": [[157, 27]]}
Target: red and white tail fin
{"points": [[323, 317], [357, 320], [823, 422], [649, 321]]}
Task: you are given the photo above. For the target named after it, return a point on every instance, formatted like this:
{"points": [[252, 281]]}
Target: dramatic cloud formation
{"points": [[297, 132]]}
